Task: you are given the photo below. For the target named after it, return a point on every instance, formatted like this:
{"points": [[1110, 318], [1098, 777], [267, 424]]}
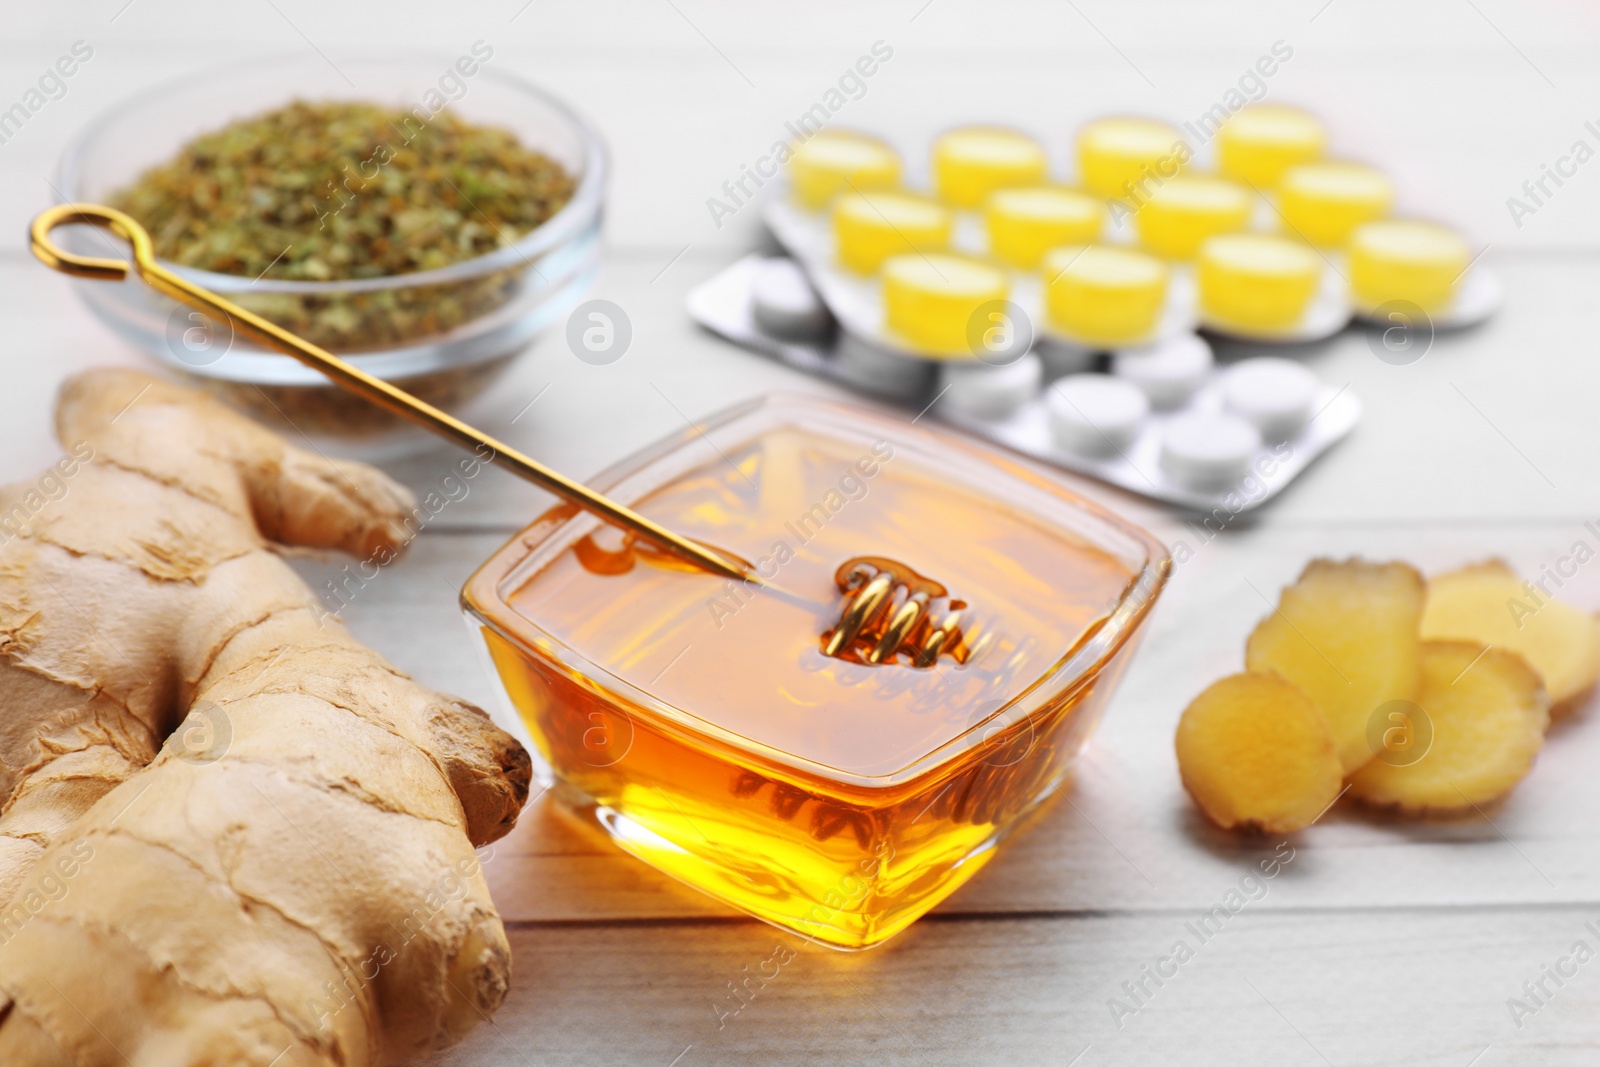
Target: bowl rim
{"points": [[578, 212], [1079, 666]]}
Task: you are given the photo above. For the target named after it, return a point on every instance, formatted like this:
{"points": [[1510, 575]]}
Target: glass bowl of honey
{"points": [[704, 724]]}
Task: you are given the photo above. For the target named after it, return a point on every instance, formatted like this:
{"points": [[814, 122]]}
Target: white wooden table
{"points": [[1381, 942]]}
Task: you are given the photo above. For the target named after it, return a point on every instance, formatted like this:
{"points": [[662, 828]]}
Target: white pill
{"points": [[1206, 451], [784, 303], [1275, 395], [990, 392], [878, 370], [1169, 372], [1095, 414]]}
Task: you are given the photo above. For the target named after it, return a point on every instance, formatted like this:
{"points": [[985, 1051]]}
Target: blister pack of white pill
{"points": [[1163, 420]]}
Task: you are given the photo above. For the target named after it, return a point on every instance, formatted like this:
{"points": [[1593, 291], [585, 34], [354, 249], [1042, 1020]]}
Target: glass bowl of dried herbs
{"points": [[426, 218]]}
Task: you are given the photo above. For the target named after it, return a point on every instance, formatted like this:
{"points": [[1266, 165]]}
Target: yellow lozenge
{"points": [[1257, 281], [834, 162], [972, 162], [1183, 212], [1103, 295], [1324, 202], [1116, 155], [1262, 141], [931, 301], [868, 228], [1026, 223], [1403, 259]]}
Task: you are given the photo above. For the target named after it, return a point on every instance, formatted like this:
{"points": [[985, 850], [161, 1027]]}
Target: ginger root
{"points": [[1346, 634], [1255, 753], [229, 833], [1487, 604], [1486, 712]]}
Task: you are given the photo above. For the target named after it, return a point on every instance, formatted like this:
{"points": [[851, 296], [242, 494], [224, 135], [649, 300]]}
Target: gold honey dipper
{"points": [[889, 606], [870, 632]]}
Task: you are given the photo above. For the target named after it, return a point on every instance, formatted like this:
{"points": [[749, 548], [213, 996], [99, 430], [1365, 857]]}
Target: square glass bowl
{"points": [[698, 722]]}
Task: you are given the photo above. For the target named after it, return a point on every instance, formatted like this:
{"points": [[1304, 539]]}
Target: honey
{"points": [[701, 723]]}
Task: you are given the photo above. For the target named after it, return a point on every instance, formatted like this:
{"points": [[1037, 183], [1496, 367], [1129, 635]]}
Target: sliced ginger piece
{"points": [[1486, 710], [1486, 603], [1255, 752], [1346, 634]]}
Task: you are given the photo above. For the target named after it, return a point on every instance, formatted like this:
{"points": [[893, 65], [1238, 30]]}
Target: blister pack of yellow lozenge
{"points": [[1254, 248], [1063, 304]]}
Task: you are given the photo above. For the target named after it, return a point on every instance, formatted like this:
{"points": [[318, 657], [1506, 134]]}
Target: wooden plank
{"points": [[1125, 836], [1392, 85], [1478, 431], [1402, 986]]}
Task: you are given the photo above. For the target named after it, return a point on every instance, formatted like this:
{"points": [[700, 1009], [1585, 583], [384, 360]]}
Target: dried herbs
{"points": [[323, 192], [328, 192]]}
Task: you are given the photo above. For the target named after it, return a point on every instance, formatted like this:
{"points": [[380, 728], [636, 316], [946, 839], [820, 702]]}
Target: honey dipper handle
{"points": [[390, 398]]}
